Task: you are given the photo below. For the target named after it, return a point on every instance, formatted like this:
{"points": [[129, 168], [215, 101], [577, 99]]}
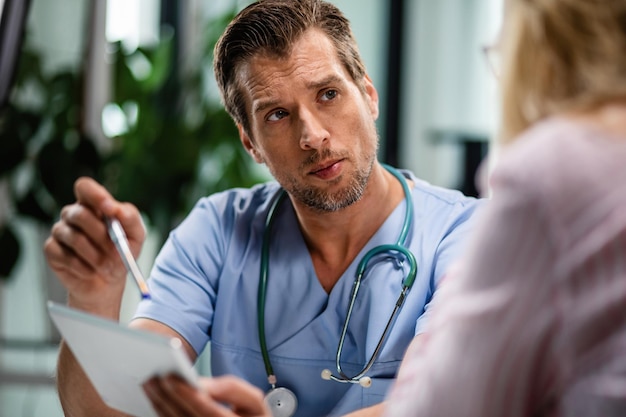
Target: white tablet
{"points": [[118, 360]]}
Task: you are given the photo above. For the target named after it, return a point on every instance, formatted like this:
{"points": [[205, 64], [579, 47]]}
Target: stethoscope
{"points": [[282, 401]]}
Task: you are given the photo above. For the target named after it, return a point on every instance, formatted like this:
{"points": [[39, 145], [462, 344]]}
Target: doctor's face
{"points": [[310, 123]]}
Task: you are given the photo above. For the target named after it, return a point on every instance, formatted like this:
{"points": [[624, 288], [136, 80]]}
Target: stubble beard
{"points": [[324, 201]]}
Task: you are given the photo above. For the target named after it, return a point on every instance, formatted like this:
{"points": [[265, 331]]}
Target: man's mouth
{"points": [[327, 170]]}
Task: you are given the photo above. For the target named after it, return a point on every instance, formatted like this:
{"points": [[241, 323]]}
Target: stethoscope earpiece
{"points": [[326, 374], [365, 382]]}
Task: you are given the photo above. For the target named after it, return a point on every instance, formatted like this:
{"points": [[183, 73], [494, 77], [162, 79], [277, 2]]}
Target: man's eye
{"points": [[277, 115], [329, 95]]}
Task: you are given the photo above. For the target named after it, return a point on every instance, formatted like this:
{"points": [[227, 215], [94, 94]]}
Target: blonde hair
{"points": [[560, 56]]}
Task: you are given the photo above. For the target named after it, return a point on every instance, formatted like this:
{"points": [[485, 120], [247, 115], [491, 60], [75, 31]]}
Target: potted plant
{"points": [[176, 145]]}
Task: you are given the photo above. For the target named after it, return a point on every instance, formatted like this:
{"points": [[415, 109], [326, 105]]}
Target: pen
{"points": [[116, 232]]}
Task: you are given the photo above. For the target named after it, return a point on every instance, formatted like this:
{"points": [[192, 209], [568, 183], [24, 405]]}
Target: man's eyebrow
{"points": [[331, 79], [262, 105]]}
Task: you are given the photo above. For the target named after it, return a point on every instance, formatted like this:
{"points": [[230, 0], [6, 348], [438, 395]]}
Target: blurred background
{"points": [[123, 90]]}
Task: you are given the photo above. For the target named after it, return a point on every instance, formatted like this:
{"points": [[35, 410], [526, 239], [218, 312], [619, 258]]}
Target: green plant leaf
{"points": [[160, 58], [59, 164], [10, 249], [17, 127], [12, 152], [29, 205]]}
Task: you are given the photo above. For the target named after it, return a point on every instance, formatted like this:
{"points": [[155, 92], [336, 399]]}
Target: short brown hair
{"points": [[272, 27], [558, 56]]}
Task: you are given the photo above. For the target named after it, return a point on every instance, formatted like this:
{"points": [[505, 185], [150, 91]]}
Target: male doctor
{"points": [[266, 274]]}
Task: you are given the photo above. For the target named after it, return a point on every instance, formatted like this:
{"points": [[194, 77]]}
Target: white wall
{"points": [[448, 86]]}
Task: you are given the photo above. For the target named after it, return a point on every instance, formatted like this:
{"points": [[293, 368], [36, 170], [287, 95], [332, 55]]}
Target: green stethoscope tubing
{"points": [[361, 268]]}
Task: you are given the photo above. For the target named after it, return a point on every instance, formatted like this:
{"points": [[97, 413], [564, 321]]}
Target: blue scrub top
{"points": [[205, 280]]}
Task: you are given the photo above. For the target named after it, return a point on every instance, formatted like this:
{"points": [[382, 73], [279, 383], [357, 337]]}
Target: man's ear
{"points": [[372, 95], [249, 145]]}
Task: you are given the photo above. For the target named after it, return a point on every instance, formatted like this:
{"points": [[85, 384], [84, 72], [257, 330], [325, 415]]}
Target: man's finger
{"points": [[245, 399]]}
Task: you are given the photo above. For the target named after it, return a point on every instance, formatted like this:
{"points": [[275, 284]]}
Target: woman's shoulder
{"points": [[558, 150]]}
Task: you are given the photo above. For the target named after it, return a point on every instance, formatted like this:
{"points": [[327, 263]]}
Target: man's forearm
{"points": [[76, 393]]}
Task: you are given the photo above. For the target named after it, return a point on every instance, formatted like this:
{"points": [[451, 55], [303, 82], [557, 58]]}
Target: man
{"points": [[268, 280]]}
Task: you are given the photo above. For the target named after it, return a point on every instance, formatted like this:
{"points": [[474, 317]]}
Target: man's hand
{"points": [[83, 256], [225, 396]]}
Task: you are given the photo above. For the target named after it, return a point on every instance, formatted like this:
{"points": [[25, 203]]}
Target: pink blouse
{"points": [[532, 321]]}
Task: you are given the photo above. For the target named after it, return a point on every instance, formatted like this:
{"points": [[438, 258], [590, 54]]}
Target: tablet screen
{"points": [[118, 360]]}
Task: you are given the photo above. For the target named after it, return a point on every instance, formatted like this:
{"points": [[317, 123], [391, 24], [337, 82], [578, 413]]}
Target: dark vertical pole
{"points": [[395, 44], [12, 27], [170, 16]]}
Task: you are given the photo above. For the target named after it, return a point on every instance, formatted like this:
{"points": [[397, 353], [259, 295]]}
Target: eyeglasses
{"points": [[492, 56]]}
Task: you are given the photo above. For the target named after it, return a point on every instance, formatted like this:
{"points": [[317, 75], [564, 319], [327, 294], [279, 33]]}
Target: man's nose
{"points": [[313, 134]]}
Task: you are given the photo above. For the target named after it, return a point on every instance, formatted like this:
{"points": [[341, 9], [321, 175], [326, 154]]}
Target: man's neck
{"points": [[335, 239]]}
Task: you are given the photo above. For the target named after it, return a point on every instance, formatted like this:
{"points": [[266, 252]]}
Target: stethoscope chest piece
{"points": [[282, 402]]}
